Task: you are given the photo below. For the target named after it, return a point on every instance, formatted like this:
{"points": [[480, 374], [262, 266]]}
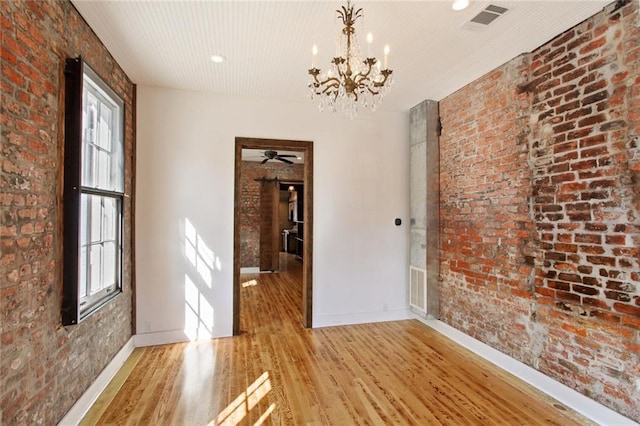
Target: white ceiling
{"points": [[268, 43]]}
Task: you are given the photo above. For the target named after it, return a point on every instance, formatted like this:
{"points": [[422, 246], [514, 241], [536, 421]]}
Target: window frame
{"points": [[76, 308]]}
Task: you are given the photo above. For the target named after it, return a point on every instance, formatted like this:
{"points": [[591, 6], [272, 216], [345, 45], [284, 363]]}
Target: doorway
{"points": [[267, 145]]}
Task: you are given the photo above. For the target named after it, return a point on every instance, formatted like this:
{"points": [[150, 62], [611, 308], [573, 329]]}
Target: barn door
{"points": [[269, 232]]}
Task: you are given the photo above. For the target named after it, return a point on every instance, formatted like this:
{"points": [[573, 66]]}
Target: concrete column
{"points": [[425, 200]]}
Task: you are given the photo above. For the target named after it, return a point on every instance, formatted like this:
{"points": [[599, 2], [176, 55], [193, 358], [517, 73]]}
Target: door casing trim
{"points": [[306, 147]]}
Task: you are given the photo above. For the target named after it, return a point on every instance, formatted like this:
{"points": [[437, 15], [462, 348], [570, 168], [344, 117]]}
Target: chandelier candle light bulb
{"points": [[350, 81], [386, 55], [314, 55]]}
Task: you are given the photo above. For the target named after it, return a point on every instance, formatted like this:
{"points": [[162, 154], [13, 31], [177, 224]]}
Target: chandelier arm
{"points": [[385, 74], [314, 72], [364, 85], [335, 82], [362, 77], [372, 91], [330, 89], [369, 64]]}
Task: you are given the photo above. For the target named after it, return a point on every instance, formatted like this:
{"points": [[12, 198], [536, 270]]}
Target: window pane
{"points": [[103, 168], [102, 152], [87, 168], [105, 124], [89, 123], [95, 268], [84, 229], [95, 218], [82, 288], [110, 218], [109, 251], [100, 244]]}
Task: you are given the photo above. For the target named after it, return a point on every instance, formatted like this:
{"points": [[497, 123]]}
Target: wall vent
{"points": [[418, 289], [484, 18]]}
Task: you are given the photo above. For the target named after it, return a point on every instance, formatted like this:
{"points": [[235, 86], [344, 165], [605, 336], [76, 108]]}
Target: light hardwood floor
{"points": [[277, 372]]}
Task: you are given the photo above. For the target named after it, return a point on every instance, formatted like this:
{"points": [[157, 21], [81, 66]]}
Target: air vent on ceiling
{"points": [[496, 9], [484, 18]]}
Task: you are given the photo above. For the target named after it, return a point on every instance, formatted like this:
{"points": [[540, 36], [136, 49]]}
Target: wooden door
{"points": [[269, 230]]}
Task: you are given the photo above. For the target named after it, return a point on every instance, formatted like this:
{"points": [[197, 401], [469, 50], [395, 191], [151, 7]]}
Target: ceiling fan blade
{"points": [[264, 161], [284, 160], [287, 155]]}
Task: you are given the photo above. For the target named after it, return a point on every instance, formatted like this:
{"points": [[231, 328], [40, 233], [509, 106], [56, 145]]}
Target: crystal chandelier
{"points": [[350, 81]]}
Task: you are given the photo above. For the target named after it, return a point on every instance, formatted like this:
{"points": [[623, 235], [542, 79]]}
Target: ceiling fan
{"points": [[273, 155]]}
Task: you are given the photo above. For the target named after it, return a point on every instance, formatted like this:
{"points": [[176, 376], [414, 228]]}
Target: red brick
{"points": [[603, 183], [580, 133], [619, 77], [632, 322], [580, 331], [595, 44], [570, 76], [13, 76], [565, 248], [583, 38], [590, 121], [593, 302], [563, 38], [602, 62], [594, 152], [619, 239], [583, 112], [594, 98], [606, 316]]}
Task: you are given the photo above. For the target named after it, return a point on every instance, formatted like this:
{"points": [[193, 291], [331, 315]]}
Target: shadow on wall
{"points": [[198, 283]]}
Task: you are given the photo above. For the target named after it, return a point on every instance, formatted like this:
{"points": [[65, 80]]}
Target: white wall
{"points": [[185, 173]]}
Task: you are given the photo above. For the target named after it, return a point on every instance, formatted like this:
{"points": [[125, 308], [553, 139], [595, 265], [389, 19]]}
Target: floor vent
{"points": [[418, 289], [484, 18]]}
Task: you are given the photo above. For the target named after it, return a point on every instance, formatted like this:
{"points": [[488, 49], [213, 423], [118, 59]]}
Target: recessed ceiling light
{"points": [[217, 59], [460, 4]]}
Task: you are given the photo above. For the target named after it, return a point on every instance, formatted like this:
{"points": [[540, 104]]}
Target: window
{"points": [[93, 192]]}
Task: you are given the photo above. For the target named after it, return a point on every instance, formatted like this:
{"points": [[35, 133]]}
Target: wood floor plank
{"points": [[277, 372], [101, 405]]}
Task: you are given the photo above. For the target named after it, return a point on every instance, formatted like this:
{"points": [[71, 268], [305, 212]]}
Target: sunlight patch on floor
{"points": [[240, 407], [249, 283]]}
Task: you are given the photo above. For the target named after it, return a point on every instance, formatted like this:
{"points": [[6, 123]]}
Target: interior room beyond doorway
{"points": [[273, 214]]}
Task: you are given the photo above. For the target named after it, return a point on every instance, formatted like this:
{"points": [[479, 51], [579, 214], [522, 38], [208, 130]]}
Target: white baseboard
{"points": [[361, 318], [571, 398], [89, 397], [180, 336], [160, 338], [250, 270]]}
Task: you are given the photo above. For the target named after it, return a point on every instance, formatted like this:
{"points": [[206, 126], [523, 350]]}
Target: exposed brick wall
{"points": [[44, 367], [250, 203], [540, 208], [487, 238]]}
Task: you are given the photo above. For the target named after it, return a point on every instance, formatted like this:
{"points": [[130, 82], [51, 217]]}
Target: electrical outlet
{"points": [[147, 326]]}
